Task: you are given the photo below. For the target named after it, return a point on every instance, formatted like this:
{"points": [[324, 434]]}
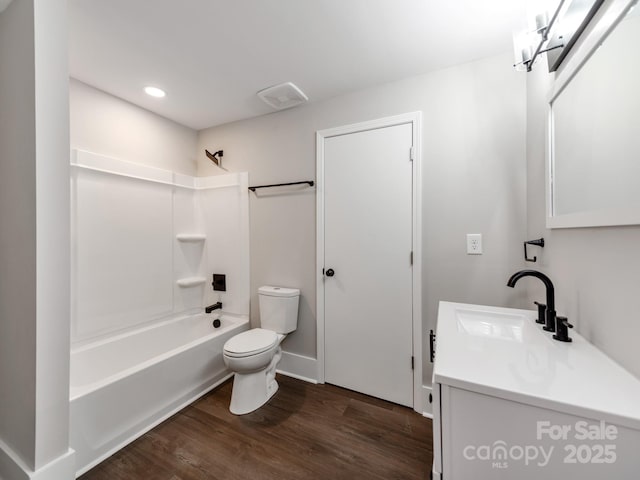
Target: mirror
{"points": [[594, 155]]}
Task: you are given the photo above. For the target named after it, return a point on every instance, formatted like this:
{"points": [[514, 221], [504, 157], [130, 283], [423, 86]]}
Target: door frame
{"points": [[414, 118]]}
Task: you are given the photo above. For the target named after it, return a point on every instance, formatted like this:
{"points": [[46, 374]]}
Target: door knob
{"points": [[330, 273]]}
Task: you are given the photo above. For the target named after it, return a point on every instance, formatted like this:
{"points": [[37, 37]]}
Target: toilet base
{"points": [[252, 390]]}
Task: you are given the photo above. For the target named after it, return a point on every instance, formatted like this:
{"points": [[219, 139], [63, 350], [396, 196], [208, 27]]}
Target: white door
{"points": [[367, 261]]}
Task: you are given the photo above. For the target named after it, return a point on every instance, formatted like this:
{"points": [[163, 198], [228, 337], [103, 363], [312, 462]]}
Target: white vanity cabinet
{"points": [[509, 402]]}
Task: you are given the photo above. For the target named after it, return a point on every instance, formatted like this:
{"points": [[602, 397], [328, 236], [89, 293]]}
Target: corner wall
{"points": [[110, 126], [18, 232], [473, 167], [34, 242]]}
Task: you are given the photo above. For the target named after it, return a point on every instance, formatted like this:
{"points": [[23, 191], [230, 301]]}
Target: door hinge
{"points": [[411, 258], [412, 153], [412, 363]]}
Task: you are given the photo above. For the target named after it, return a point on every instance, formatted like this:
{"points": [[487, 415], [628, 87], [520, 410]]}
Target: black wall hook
{"points": [[538, 243]]}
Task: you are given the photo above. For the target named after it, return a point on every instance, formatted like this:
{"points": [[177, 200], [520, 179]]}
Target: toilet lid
{"points": [[251, 342]]}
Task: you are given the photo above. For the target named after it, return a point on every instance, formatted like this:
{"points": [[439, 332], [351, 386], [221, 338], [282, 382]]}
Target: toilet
{"points": [[254, 354]]}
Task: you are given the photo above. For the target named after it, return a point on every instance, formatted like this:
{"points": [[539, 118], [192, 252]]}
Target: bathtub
{"points": [[123, 386]]}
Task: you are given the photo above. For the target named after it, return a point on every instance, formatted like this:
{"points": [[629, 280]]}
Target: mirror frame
{"points": [[605, 21]]}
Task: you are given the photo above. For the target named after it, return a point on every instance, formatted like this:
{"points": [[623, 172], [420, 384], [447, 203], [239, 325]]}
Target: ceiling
{"points": [[212, 56]]}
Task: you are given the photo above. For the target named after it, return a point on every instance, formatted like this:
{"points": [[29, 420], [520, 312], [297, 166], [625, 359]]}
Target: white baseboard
{"points": [[13, 468], [305, 368], [426, 404], [10, 464], [298, 366]]}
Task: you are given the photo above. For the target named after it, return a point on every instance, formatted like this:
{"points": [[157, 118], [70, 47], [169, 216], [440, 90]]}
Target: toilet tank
{"points": [[278, 308]]}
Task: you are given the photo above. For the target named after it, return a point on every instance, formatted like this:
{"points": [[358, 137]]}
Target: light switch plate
{"points": [[474, 244]]}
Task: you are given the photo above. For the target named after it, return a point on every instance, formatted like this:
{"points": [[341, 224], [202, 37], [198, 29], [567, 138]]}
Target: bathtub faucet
{"points": [[211, 308]]}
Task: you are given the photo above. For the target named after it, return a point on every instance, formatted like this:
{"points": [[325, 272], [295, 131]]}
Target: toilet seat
{"points": [[249, 343]]}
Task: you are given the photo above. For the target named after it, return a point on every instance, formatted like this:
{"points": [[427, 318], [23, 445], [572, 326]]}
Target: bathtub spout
{"points": [[211, 308]]}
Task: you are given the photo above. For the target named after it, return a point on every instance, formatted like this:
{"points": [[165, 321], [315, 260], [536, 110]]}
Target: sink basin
{"points": [[479, 323]]}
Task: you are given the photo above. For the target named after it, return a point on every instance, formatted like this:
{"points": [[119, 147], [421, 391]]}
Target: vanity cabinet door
{"points": [[437, 431], [491, 438]]}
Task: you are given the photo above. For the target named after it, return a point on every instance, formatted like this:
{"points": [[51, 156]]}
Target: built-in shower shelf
{"points": [[191, 237], [191, 282]]}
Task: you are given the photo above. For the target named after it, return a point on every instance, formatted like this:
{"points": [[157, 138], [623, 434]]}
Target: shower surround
{"points": [[145, 243]]}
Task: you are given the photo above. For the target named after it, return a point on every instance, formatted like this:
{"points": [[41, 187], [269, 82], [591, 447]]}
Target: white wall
{"points": [[122, 249], [127, 258], [595, 270], [34, 241], [474, 182], [18, 232], [224, 218], [52, 226], [4, 4], [108, 125]]}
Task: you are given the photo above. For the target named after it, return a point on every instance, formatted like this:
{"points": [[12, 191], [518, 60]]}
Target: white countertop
{"points": [[503, 352]]}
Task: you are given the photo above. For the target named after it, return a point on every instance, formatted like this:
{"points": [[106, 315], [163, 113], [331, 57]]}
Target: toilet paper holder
{"points": [[538, 243]]}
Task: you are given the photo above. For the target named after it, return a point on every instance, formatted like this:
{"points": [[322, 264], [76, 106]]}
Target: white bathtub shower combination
{"points": [[145, 243], [123, 386]]}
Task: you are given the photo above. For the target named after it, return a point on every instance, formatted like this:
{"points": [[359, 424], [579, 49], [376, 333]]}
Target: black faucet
{"points": [[562, 328], [211, 308], [551, 302], [542, 309]]}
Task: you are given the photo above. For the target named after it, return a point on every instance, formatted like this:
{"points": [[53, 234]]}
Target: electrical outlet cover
{"points": [[474, 244]]}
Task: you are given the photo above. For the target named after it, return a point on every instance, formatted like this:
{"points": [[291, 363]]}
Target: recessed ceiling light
{"points": [[155, 92]]}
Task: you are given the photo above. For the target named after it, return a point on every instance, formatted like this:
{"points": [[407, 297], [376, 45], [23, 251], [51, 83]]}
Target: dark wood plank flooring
{"points": [[305, 432]]}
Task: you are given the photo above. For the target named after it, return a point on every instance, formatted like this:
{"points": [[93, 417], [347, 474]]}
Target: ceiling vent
{"points": [[285, 95]]}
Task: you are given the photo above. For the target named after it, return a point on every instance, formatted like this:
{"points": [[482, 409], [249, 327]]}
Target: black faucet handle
{"points": [[542, 308], [562, 326], [565, 322]]}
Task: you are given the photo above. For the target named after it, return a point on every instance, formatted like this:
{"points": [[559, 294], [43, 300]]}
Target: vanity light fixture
{"points": [[530, 43], [155, 92], [553, 26]]}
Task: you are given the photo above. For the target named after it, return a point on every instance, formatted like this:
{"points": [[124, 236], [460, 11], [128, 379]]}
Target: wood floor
{"points": [[305, 432]]}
